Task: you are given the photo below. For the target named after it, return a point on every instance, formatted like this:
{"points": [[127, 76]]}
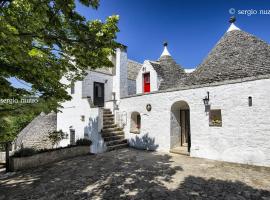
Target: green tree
{"points": [[55, 137], [42, 41], [10, 126]]}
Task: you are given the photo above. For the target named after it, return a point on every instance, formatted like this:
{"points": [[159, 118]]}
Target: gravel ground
{"points": [[134, 174]]}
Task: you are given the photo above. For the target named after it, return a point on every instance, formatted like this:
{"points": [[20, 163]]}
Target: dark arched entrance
{"points": [[180, 128]]}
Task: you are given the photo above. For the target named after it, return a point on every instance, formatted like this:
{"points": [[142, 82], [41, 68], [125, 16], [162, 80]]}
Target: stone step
{"points": [[116, 142], [108, 115], [108, 122], [119, 146], [112, 138], [108, 118], [111, 129], [114, 133], [105, 126]]}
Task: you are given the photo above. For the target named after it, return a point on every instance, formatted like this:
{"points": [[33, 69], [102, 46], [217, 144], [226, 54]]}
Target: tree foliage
{"points": [[55, 137], [10, 126], [42, 41]]}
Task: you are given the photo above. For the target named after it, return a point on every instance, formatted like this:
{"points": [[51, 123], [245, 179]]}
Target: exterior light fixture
{"points": [[206, 99]]}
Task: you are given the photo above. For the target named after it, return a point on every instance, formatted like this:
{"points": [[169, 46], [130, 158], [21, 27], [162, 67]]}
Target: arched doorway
{"points": [[135, 123], [180, 128]]}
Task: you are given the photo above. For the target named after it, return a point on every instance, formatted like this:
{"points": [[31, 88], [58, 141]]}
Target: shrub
{"points": [[83, 142], [25, 152], [56, 136]]}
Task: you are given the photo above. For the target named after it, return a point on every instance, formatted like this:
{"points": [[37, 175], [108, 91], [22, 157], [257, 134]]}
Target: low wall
{"points": [[3, 156], [20, 163]]}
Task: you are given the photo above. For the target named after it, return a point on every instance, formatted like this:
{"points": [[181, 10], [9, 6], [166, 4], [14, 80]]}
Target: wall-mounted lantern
{"points": [[206, 100], [206, 103]]}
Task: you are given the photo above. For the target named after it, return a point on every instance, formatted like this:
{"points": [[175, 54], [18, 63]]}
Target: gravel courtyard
{"points": [[135, 174]]}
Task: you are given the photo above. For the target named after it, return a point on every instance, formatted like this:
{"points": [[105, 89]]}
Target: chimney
{"points": [[120, 81]]}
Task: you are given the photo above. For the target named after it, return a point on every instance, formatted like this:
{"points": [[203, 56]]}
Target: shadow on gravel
{"points": [[124, 174]]}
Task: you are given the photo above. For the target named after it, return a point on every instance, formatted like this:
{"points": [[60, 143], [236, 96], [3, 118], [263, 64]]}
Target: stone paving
{"points": [[134, 174]]}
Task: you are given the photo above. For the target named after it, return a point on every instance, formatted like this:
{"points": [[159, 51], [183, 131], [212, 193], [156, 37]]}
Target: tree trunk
{"points": [[7, 156]]}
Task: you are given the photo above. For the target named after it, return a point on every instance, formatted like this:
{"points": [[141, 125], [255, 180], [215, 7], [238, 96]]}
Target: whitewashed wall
{"points": [[72, 111], [70, 118], [245, 133], [120, 81], [154, 82], [88, 85]]}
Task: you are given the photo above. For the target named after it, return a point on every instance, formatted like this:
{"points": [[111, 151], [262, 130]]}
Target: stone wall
{"points": [[35, 134], [131, 87], [245, 133], [47, 157]]}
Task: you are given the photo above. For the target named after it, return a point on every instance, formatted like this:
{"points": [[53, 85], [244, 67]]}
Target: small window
{"points": [[82, 118], [72, 137], [215, 118], [249, 101], [135, 123], [72, 88]]}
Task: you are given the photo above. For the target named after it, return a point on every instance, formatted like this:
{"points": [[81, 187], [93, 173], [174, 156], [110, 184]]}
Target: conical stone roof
{"points": [[169, 72], [237, 55]]}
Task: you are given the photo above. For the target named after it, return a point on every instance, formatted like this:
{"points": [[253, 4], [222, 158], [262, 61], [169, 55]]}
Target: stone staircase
{"points": [[113, 135]]}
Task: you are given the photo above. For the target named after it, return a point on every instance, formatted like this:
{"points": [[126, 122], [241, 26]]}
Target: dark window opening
{"points": [[215, 118], [72, 137], [72, 88], [249, 101]]}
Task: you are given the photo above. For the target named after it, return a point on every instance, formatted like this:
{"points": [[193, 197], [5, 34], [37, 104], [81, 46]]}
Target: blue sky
{"points": [[191, 27]]}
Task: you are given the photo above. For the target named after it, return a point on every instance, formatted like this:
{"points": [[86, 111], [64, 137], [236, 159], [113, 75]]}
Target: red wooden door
{"points": [[146, 82]]}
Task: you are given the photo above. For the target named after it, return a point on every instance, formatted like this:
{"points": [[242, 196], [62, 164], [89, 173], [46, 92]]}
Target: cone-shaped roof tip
{"points": [[232, 26], [165, 51]]}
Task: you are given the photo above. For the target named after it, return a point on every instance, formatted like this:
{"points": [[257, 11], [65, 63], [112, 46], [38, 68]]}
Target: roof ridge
{"points": [[134, 61]]}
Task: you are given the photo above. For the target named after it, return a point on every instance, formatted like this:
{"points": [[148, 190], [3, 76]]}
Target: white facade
{"points": [[245, 133], [154, 81], [120, 81], [87, 86], [80, 115], [243, 136]]}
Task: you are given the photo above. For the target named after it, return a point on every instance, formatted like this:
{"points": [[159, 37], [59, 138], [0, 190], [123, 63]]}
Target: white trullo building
{"points": [[219, 111]]}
